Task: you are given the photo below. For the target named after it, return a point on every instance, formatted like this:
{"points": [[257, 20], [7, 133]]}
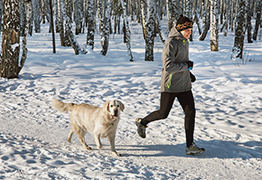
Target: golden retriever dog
{"points": [[101, 122]]}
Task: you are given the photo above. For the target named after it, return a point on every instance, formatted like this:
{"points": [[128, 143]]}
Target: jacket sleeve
{"points": [[169, 60]]}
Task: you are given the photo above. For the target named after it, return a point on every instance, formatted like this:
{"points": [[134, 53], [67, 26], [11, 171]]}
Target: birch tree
{"points": [[105, 13], [214, 17], [90, 24], [148, 25], [226, 17], [248, 23], [61, 6], [237, 51], [1, 14], [68, 28], [78, 15], [188, 13], [10, 65], [258, 17], [206, 20], [56, 15], [172, 12], [37, 15], [127, 31]]}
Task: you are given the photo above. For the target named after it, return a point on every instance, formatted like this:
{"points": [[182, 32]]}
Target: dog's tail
{"points": [[62, 107]]}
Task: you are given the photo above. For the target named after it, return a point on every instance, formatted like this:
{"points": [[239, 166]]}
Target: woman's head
{"points": [[184, 25]]}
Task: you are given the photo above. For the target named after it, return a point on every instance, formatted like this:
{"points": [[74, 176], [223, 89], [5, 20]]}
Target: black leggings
{"points": [[186, 100]]}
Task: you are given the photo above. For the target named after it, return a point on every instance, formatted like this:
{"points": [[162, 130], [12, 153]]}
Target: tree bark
{"points": [[10, 65], [91, 24], [127, 32], [249, 26], [258, 21], [68, 28], [214, 25], [237, 51], [206, 20], [148, 25]]}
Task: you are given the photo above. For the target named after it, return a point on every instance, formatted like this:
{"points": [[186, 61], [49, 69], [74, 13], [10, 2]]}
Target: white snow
{"points": [[228, 122]]}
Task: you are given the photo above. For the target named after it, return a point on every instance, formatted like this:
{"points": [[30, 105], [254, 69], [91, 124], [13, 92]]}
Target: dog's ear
{"points": [[122, 106], [106, 106]]}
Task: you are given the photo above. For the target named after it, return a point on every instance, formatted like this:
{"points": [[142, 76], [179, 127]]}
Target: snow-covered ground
{"points": [[228, 97]]}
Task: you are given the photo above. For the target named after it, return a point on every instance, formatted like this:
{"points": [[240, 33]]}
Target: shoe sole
{"points": [[138, 124], [193, 153]]}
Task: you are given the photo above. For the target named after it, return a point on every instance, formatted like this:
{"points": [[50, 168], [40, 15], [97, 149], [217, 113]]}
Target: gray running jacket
{"points": [[175, 76]]}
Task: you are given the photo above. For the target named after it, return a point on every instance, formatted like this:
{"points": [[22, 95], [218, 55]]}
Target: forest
{"points": [[22, 18]]}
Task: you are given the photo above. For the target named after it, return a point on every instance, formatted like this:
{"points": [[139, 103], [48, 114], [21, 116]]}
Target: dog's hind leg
{"points": [[69, 137], [81, 134]]}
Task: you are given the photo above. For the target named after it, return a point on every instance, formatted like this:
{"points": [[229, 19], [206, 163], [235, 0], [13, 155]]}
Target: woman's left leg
{"points": [[186, 100]]}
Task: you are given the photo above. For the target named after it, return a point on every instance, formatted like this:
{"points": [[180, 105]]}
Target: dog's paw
{"points": [[116, 154], [88, 148], [100, 147]]}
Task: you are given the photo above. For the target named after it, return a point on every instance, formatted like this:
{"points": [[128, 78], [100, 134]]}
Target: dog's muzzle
{"points": [[115, 112]]}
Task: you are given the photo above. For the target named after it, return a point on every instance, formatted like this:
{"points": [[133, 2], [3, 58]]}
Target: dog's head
{"points": [[113, 107]]}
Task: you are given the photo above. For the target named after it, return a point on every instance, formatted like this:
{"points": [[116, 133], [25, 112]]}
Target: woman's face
{"points": [[186, 33]]}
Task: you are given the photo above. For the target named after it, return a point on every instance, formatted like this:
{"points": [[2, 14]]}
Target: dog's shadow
{"points": [[214, 149]]}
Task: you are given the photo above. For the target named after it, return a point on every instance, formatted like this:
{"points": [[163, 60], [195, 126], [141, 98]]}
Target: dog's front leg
{"points": [[111, 139]]}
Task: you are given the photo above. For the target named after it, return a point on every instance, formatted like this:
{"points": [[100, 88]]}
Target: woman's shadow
{"points": [[214, 149]]}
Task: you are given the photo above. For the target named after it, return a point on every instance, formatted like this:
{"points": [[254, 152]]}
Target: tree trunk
{"points": [[237, 51], [56, 16], [172, 13], [206, 20], [148, 25], [258, 16], [78, 16], [214, 17], [68, 28], [10, 66], [28, 10], [37, 15], [158, 28], [249, 26], [188, 13], [1, 14], [197, 22], [105, 25], [22, 18], [127, 32], [91, 24], [61, 6]]}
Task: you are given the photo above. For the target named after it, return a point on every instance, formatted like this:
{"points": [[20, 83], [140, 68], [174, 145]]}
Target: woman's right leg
{"points": [[166, 103]]}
